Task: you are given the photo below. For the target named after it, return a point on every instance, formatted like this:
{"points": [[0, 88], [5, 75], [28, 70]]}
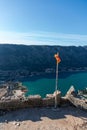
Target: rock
{"points": [[14, 123], [75, 100], [18, 124], [49, 96], [6, 121], [71, 91], [57, 94], [34, 97]]}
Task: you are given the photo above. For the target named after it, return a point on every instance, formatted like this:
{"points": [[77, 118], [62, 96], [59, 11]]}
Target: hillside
{"points": [[27, 59]]}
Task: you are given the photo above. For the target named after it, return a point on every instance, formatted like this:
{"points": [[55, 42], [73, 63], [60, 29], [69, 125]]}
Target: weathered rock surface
{"points": [[75, 100], [31, 101]]}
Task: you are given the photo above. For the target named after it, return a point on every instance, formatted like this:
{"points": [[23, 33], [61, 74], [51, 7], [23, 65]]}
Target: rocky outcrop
{"points": [[50, 99], [75, 100], [31, 101], [37, 101], [3, 92], [71, 91]]}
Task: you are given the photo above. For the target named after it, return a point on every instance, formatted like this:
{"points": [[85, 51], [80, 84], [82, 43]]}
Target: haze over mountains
{"points": [[27, 59]]}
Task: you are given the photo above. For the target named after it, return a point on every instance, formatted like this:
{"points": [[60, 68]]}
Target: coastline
{"points": [[49, 76], [16, 76]]}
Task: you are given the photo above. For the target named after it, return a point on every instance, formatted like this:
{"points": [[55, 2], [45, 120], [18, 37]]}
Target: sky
{"points": [[43, 22]]}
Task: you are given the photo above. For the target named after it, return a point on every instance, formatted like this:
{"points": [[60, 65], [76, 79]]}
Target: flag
{"points": [[57, 58]]}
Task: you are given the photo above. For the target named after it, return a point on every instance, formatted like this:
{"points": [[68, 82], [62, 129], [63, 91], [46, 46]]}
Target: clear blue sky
{"points": [[49, 22]]}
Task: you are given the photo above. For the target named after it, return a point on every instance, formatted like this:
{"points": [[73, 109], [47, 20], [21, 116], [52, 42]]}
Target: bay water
{"points": [[45, 84]]}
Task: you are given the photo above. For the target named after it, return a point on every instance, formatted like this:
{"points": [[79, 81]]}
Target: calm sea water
{"points": [[46, 84]]}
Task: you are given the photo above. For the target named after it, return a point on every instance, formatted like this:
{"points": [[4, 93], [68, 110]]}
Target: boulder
{"points": [[71, 91], [73, 99]]}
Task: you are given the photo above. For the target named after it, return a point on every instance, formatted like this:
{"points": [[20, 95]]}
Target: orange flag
{"points": [[57, 58]]}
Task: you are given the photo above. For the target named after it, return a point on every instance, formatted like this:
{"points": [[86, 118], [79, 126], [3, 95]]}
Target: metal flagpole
{"points": [[56, 87]]}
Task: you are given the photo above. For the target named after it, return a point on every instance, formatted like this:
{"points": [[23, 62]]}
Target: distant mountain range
{"points": [[27, 59]]}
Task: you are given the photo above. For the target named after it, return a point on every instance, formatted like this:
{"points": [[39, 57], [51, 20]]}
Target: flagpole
{"points": [[56, 87]]}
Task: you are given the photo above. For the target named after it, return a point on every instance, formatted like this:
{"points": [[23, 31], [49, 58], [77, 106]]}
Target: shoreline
{"points": [[3, 77], [62, 75], [51, 75]]}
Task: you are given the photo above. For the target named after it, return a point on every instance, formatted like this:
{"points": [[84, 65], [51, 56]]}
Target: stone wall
{"points": [[31, 101], [37, 101]]}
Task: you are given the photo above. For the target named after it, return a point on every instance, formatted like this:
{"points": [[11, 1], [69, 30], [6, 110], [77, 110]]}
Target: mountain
{"points": [[27, 59]]}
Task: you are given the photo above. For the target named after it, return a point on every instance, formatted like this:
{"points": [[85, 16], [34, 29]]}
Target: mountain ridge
{"points": [[39, 58]]}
